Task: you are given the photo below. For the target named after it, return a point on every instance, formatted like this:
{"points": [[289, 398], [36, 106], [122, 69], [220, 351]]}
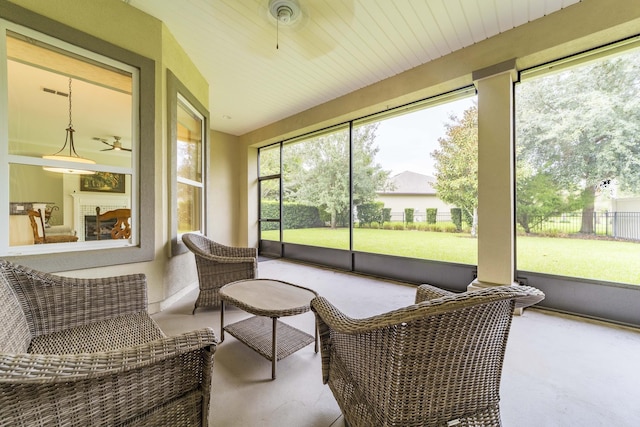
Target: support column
{"points": [[496, 246]]}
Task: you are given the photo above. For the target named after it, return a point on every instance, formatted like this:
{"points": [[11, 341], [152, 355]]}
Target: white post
{"points": [[496, 259]]}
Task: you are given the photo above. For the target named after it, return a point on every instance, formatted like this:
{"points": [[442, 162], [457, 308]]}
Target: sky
{"points": [[406, 141]]}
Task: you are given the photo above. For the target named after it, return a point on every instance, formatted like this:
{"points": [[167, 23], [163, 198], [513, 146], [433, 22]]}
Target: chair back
{"points": [[121, 229], [37, 225], [199, 244], [429, 363]]}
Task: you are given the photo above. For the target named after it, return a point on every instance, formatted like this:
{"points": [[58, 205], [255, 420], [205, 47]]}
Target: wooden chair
{"points": [[35, 217], [218, 265], [121, 229], [437, 362]]}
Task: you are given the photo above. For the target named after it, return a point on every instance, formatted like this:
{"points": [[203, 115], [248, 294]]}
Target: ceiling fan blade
{"points": [[115, 146]]}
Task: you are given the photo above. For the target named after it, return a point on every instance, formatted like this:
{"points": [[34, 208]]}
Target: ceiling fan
{"points": [[115, 145], [306, 27]]}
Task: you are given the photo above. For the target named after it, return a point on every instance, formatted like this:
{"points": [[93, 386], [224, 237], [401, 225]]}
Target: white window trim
{"points": [[178, 92]]}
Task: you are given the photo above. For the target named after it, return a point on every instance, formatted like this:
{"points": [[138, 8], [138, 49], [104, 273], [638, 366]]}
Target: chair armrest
{"points": [[53, 303], [110, 387], [206, 248], [27, 368], [227, 259], [229, 251], [342, 323], [427, 292]]}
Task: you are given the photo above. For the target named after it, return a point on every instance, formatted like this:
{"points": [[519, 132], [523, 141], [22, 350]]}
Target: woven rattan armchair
{"points": [[84, 352], [435, 363], [218, 265]]}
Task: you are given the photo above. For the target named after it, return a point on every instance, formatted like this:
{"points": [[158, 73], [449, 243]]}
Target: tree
{"points": [[540, 198], [318, 171], [581, 127], [456, 163]]}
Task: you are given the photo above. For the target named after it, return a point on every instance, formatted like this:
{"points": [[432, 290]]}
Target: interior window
{"points": [[188, 130], [71, 145], [189, 168]]}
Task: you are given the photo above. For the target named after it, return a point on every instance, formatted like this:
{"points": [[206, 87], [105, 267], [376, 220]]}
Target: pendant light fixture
{"points": [[73, 156]]}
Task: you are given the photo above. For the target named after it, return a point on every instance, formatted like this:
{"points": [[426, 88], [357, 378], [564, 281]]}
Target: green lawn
{"points": [[586, 258]]}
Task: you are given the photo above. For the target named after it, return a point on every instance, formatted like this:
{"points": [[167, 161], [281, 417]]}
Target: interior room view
{"points": [[319, 212]]}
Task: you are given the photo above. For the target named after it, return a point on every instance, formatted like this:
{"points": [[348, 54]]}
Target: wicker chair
{"points": [[435, 363], [84, 352], [218, 265]]}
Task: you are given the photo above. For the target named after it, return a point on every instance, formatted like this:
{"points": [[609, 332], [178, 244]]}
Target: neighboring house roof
{"points": [[408, 182]]}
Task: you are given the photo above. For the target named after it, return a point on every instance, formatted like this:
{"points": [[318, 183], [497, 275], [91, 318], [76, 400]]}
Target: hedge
{"points": [[295, 215], [456, 218]]}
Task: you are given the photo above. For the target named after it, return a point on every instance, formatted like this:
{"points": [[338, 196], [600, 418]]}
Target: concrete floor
{"points": [[559, 370]]}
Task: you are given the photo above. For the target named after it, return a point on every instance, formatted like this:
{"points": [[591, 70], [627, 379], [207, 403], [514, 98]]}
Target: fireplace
{"points": [[84, 211], [90, 231]]}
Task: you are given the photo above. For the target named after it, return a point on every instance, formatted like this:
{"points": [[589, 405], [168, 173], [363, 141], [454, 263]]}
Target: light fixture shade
{"points": [[73, 159]]}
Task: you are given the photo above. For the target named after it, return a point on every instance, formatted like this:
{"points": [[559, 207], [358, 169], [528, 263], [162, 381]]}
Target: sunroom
{"points": [[550, 199]]}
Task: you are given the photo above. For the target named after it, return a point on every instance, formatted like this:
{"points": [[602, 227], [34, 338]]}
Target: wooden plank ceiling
{"points": [[338, 46]]}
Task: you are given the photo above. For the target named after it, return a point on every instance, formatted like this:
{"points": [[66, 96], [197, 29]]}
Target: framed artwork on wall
{"points": [[103, 181]]}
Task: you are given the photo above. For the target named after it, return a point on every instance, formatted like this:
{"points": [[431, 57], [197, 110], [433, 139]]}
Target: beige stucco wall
{"points": [[224, 186], [585, 25], [120, 24]]}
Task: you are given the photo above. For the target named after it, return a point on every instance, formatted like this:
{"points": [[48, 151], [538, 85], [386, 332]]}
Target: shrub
{"points": [[408, 215], [386, 215], [456, 218], [388, 226], [342, 218], [411, 226], [432, 215], [449, 228], [467, 217], [369, 212], [552, 232], [398, 226]]}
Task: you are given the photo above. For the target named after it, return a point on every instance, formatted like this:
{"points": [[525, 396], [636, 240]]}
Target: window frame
{"points": [[176, 90], [548, 280], [19, 20], [264, 179], [279, 247]]}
